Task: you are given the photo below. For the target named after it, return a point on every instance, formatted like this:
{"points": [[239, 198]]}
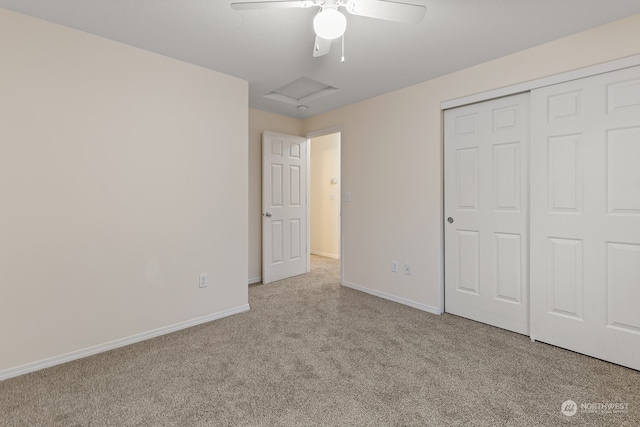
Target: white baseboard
{"points": [[255, 280], [400, 300], [325, 254], [90, 351]]}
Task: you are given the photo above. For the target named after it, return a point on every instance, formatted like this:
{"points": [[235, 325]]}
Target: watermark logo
{"points": [[569, 408]]}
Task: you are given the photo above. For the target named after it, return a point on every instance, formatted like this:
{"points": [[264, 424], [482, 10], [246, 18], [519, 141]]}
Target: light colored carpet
{"points": [[311, 352]]}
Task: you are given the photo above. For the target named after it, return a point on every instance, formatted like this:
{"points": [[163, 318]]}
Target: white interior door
{"points": [[585, 217], [284, 206], [486, 212]]}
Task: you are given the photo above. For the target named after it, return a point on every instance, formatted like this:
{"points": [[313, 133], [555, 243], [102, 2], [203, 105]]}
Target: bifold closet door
{"points": [[486, 212], [585, 216]]}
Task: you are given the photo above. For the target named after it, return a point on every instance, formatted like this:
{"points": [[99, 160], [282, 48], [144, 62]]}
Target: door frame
{"points": [[309, 136], [605, 67]]}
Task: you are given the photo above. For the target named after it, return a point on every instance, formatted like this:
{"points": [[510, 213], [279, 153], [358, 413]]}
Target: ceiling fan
{"points": [[330, 23]]}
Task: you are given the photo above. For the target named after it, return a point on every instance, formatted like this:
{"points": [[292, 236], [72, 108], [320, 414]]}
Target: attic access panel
{"points": [[301, 91]]}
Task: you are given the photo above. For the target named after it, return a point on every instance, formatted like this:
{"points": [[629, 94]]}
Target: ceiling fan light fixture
{"points": [[329, 23]]}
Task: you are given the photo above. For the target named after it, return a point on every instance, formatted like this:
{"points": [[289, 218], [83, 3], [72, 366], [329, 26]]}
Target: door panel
{"points": [[284, 206], [506, 177], [508, 267], [486, 245], [585, 216]]}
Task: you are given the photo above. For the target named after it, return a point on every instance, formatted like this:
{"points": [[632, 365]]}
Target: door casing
{"points": [[307, 142]]}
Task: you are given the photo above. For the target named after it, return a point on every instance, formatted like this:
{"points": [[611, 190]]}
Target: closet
{"points": [[542, 214]]}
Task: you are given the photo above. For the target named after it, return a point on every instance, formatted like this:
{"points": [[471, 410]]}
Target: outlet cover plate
{"points": [[203, 280]]}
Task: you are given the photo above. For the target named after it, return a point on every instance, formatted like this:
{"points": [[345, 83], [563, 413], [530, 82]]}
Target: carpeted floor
{"points": [[311, 352]]}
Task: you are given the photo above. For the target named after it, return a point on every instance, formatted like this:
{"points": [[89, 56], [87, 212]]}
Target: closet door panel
{"points": [[486, 244], [585, 216]]}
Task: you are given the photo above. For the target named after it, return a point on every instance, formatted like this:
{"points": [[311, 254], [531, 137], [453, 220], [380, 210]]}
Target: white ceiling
{"points": [[272, 48]]}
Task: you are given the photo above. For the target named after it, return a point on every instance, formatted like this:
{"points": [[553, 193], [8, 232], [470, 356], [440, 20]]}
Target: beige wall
{"points": [[392, 161], [325, 196], [260, 121], [123, 175]]}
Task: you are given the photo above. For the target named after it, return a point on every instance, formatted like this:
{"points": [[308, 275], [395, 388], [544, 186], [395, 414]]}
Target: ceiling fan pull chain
{"points": [[342, 48]]}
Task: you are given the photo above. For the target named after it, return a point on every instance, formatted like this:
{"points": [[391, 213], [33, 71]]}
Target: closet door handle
{"points": [[450, 220]]}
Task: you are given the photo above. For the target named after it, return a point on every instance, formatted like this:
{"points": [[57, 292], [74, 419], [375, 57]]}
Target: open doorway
{"points": [[324, 196], [300, 203]]}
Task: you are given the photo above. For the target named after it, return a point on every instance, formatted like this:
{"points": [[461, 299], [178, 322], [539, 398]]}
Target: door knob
{"points": [[450, 220], [268, 214]]}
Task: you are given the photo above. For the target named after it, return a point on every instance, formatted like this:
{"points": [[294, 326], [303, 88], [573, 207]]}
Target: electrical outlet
{"points": [[203, 280], [394, 266], [407, 269]]}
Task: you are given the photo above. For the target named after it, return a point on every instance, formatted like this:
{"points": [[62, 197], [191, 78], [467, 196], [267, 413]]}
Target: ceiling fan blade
{"points": [[321, 47], [247, 5], [387, 10]]}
